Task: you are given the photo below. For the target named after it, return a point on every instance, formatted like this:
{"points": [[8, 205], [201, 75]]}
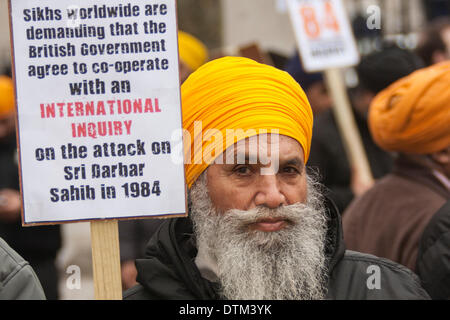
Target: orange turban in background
{"points": [[413, 114], [192, 51], [239, 93], [6, 96]]}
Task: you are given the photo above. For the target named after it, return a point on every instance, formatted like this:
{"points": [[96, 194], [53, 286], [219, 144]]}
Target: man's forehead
{"points": [[270, 145]]}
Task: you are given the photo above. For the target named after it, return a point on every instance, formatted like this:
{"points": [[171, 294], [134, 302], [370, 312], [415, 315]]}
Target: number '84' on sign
{"points": [[317, 21]]}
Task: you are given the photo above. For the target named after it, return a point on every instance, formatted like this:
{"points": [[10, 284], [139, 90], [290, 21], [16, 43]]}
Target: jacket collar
{"points": [[335, 247], [406, 168]]}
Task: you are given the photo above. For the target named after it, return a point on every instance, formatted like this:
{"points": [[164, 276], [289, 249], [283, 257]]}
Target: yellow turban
{"points": [[239, 93], [6, 96], [413, 114], [192, 51]]}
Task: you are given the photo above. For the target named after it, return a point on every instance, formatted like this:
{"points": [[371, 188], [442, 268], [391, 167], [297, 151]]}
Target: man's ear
{"points": [[442, 157]]}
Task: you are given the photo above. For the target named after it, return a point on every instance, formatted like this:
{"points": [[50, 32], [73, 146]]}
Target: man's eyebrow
{"points": [[293, 161]]}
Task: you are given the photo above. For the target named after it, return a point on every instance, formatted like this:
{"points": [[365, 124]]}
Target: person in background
{"points": [[411, 117], [313, 84], [376, 71], [10, 202], [193, 53], [37, 245], [433, 257], [134, 234], [434, 42]]}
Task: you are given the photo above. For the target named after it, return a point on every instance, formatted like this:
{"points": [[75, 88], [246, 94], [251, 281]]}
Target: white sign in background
{"points": [[324, 36], [98, 99]]}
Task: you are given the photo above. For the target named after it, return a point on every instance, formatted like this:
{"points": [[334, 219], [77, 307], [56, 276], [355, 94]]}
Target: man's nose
{"points": [[269, 193]]}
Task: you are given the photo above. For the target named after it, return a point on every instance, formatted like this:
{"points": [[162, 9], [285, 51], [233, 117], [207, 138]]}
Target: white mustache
{"points": [[290, 213]]}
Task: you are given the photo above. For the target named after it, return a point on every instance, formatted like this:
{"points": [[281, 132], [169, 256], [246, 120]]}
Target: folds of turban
{"points": [[192, 51], [233, 93], [413, 114], [6, 96]]}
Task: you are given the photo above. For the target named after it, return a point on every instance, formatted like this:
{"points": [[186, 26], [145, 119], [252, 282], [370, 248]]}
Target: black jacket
{"points": [[169, 271], [433, 258]]}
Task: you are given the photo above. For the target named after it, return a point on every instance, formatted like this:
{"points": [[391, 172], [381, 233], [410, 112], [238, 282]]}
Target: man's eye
{"points": [[242, 170], [290, 170]]}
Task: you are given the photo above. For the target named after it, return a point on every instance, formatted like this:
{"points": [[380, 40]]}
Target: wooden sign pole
{"points": [[106, 260], [347, 126]]}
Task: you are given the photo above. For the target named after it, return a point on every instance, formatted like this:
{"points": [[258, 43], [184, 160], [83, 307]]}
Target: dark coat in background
{"points": [[390, 218], [168, 270], [134, 236], [37, 245], [433, 258]]}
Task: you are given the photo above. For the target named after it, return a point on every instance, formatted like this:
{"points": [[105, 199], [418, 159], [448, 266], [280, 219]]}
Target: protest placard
{"points": [[323, 34], [98, 101]]}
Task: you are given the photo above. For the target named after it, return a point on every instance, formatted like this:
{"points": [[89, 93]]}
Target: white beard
{"points": [[251, 264]]}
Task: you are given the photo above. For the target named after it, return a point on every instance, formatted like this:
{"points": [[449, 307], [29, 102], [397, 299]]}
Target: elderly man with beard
{"points": [[258, 227]]}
